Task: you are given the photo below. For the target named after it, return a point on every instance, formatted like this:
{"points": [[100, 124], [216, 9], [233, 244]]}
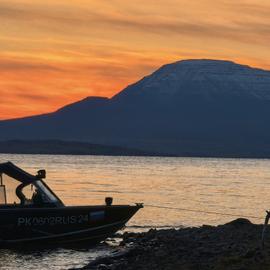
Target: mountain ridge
{"points": [[205, 106]]}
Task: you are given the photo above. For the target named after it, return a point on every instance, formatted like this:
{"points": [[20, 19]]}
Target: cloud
{"points": [[254, 9], [33, 97], [9, 65], [75, 20], [56, 51]]}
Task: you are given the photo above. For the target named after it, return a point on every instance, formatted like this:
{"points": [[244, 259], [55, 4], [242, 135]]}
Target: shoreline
{"points": [[234, 245], [75, 148], [131, 155]]}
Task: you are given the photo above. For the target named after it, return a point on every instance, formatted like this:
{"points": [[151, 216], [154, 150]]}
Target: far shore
{"points": [[59, 147]]}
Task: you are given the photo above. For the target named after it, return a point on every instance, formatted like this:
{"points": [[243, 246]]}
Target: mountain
{"points": [[190, 107]]}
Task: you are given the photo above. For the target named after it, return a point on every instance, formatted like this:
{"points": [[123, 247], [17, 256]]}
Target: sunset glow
{"points": [[56, 52]]}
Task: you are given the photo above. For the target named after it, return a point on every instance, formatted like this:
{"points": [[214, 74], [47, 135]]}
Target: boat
{"points": [[32, 214]]}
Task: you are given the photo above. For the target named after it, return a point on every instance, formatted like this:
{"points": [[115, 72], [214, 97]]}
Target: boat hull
{"points": [[63, 225]]}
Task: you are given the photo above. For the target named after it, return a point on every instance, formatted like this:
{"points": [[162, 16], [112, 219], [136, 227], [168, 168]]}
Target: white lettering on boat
{"points": [[60, 220], [53, 220]]}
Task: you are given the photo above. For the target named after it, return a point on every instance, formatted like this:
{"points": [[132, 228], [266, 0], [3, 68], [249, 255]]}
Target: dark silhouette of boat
{"points": [[31, 213]]}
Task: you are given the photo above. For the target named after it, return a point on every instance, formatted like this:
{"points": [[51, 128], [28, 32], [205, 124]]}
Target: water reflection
{"points": [[53, 259], [236, 186]]}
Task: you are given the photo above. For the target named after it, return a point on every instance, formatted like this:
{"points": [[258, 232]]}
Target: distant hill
{"points": [[67, 148], [191, 108]]}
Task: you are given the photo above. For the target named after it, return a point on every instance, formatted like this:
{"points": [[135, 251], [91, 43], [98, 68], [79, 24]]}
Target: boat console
{"points": [[20, 189]]}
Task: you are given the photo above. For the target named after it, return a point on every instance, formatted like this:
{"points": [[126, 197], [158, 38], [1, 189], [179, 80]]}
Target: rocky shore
{"points": [[235, 245]]}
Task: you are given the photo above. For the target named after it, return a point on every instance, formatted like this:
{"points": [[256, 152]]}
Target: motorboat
{"points": [[31, 213]]}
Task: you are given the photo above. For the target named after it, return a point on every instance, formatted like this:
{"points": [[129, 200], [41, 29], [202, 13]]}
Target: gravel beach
{"points": [[235, 245]]}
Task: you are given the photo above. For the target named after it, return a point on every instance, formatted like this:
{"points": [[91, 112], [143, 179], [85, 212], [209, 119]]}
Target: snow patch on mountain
{"points": [[205, 77]]}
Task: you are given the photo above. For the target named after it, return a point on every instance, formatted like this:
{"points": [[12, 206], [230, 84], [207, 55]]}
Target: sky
{"points": [[55, 52]]}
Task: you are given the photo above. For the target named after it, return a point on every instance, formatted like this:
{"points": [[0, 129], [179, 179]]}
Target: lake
{"points": [[238, 187]]}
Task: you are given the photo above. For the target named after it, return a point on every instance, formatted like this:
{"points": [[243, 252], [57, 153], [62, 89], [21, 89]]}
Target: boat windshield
{"points": [[47, 193], [14, 192]]}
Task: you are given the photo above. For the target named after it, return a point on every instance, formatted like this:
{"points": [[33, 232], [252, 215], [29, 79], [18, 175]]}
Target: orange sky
{"points": [[55, 52]]}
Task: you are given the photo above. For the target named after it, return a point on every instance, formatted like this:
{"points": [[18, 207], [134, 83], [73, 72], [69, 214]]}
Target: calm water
{"points": [[235, 186]]}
